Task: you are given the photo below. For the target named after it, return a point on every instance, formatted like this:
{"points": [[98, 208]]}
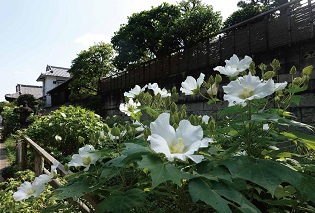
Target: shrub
{"points": [[66, 129], [33, 204], [11, 122]]}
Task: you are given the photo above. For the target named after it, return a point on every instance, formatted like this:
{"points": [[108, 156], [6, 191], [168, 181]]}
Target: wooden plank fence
{"points": [[42, 156], [290, 23]]}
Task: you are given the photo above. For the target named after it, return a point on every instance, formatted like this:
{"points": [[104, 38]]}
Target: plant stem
{"points": [[249, 134]]}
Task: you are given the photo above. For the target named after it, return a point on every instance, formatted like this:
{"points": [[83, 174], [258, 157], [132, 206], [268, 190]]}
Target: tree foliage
{"points": [[246, 12], [89, 66], [251, 8], [162, 30], [30, 99]]}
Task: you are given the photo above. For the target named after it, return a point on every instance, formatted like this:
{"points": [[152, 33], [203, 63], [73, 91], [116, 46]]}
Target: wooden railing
{"points": [[282, 26], [41, 156]]}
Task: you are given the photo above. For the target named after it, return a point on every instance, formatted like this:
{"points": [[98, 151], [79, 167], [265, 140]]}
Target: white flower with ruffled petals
{"points": [[234, 66], [157, 90], [135, 91], [27, 189], [130, 107], [85, 158], [191, 86], [247, 88], [42, 179], [181, 143], [280, 86]]}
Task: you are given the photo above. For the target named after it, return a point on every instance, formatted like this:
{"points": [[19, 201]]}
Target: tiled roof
{"points": [[54, 71], [36, 91]]}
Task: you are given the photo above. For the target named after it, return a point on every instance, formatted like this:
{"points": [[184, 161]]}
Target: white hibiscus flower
{"points": [[190, 86], [234, 66], [247, 88], [135, 91], [130, 107], [85, 158], [42, 179], [180, 143], [157, 90], [280, 86], [27, 189]]}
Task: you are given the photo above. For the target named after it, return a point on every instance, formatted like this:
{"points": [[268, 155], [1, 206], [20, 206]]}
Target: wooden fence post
{"points": [[20, 155], [39, 164]]}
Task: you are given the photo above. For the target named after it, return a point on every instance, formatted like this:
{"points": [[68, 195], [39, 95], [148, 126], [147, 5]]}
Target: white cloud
{"points": [[90, 39]]}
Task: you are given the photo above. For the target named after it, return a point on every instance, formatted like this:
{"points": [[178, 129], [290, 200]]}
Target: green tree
{"points": [[251, 8], [246, 12], [30, 99], [163, 30], [197, 21], [89, 66]]}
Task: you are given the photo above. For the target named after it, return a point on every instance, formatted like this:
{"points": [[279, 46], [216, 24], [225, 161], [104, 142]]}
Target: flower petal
{"points": [[162, 127], [159, 145], [188, 132], [196, 158]]}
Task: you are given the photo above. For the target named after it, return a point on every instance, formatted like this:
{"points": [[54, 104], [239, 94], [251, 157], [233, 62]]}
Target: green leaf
{"points": [[109, 172], [284, 191], [249, 169], [132, 148], [122, 201], [296, 88], [229, 192], [161, 172], [77, 187], [270, 174], [296, 99], [308, 140], [199, 189], [206, 170]]}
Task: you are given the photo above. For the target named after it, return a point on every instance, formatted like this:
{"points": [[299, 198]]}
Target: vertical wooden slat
{"points": [[311, 21], [39, 164]]}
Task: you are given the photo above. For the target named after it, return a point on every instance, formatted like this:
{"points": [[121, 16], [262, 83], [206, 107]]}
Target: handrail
{"points": [[40, 156]]}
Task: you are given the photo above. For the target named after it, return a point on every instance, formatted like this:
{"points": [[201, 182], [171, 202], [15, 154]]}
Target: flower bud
{"points": [[146, 133], [66, 167], [277, 98], [218, 78], [262, 67], [213, 90], [115, 131], [81, 139], [297, 81], [275, 64], [192, 119], [307, 70], [305, 79], [211, 125], [269, 75], [167, 101], [173, 108], [293, 70], [211, 80], [252, 68], [174, 90]]}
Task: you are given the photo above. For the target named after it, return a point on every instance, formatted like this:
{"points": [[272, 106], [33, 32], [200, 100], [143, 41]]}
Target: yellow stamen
{"points": [[87, 160], [177, 148]]}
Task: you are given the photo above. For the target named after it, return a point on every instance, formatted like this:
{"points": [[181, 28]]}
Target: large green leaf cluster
{"points": [[163, 30], [33, 204], [87, 69], [66, 129], [10, 121]]}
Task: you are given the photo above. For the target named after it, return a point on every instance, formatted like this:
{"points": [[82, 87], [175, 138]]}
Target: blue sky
{"points": [[35, 33]]}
